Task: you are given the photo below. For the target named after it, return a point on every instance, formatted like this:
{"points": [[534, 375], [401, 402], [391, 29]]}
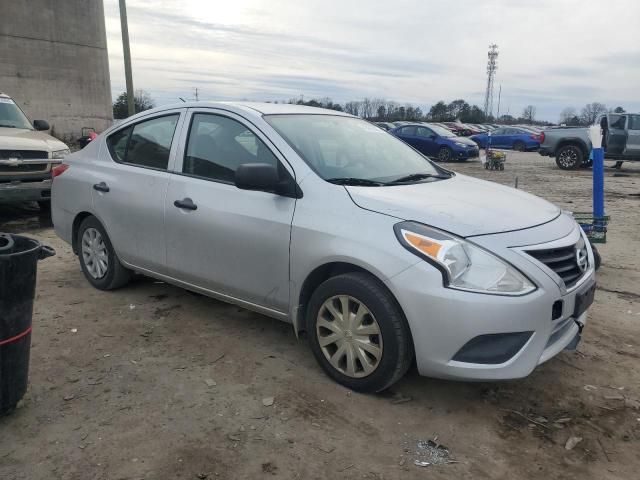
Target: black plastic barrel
{"points": [[18, 265]]}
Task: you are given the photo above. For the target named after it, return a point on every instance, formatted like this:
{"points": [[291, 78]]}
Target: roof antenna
{"points": [[183, 100], [516, 182]]}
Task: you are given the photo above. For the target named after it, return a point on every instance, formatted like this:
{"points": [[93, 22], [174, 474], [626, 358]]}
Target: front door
{"points": [[616, 134], [633, 136], [427, 141], [129, 188], [230, 241]]}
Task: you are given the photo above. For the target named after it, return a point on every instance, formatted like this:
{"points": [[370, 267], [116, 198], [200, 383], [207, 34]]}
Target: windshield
{"points": [[349, 148], [11, 116], [443, 132]]}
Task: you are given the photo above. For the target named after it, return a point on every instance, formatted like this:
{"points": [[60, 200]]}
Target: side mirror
{"points": [[257, 176], [41, 125], [433, 136]]}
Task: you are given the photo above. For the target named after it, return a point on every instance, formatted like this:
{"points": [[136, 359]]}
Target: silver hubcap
{"points": [[444, 155], [94, 253], [349, 336]]}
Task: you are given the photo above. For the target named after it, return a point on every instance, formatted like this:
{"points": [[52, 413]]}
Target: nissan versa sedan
{"points": [[325, 221]]}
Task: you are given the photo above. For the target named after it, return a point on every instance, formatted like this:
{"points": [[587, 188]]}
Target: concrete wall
{"points": [[54, 64]]}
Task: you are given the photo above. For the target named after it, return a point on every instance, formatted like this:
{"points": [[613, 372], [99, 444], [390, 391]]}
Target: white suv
{"points": [[26, 156]]}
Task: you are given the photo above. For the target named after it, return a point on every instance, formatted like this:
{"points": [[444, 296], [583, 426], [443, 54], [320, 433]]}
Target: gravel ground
{"points": [[153, 382]]}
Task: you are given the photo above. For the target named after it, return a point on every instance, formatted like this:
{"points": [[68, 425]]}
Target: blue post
{"points": [[598, 183]]}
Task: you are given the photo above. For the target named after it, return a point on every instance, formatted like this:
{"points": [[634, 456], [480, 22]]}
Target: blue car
{"points": [[516, 138], [436, 142]]}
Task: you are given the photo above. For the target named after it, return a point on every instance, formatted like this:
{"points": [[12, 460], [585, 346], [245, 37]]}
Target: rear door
{"points": [[229, 241], [616, 134], [633, 136], [129, 187], [408, 134]]}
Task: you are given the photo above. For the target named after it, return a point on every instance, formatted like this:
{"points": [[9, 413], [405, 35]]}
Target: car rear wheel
{"points": [[519, 146], [445, 154], [98, 259], [358, 333], [569, 157]]}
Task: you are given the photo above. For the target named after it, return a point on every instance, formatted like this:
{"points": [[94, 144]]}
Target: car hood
{"points": [[461, 205], [23, 139]]}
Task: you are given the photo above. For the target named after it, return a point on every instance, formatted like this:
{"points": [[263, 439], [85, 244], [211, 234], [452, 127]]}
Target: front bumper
{"points": [[444, 320], [25, 191], [467, 153]]}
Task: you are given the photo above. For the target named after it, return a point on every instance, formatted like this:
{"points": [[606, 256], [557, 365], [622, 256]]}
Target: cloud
{"points": [[406, 50]]}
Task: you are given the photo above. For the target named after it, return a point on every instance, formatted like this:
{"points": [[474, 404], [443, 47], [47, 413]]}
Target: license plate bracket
{"points": [[584, 300]]}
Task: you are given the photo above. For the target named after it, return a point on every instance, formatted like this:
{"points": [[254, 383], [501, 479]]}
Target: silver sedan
{"points": [[326, 221]]}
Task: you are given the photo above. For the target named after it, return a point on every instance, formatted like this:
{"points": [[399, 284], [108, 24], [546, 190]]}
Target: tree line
{"points": [[382, 110]]}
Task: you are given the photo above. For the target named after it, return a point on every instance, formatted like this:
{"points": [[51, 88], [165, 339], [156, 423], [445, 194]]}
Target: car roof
{"points": [[263, 108]]}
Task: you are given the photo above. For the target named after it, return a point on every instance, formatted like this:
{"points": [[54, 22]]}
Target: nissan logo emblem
{"points": [[581, 259]]}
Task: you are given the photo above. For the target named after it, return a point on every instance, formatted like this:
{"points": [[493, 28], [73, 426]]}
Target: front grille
{"points": [[23, 154], [562, 261], [25, 168]]}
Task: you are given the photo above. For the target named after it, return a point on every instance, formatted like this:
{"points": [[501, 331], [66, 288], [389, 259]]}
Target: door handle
{"points": [[186, 204], [101, 187]]}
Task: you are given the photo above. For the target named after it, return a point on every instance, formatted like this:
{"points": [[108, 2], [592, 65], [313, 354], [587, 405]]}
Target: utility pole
{"points": [[492, 66], [131, 105], [499, 96]]}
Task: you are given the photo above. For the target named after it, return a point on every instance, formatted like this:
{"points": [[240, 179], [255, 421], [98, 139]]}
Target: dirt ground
{"points": [[153, 382]]}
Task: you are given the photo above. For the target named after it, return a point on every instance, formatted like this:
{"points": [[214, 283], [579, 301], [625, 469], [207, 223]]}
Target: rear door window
{"points": [[145, 144], [408, 131], [634, 122]]}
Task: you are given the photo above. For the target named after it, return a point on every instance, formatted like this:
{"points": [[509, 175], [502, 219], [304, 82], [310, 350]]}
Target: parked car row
{"points": [[517, 137]]}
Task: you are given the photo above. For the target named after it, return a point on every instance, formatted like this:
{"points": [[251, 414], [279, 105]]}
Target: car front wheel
{"points": [[519, 146], [445, 154], [358, 333], [98, 259]]}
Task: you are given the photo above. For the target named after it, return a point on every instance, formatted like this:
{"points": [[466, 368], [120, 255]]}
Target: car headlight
{"points": [[464, 266], [460, 144], [59, 154]]}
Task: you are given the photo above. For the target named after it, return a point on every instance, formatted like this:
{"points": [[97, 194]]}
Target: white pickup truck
{"points": [[571, 145], [26, 156]]}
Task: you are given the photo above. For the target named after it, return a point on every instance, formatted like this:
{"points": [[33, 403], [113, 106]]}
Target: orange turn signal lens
{"points": [[423, 244]]}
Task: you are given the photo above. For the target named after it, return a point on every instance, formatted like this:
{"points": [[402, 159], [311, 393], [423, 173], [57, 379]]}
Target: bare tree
{"points": [[366, 110], [352, 108], [567, 114], [592, 111], [529, 113]]}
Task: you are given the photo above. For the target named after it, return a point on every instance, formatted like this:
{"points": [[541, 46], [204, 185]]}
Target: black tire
{"points": [[397, 351], [618, 165], [501, 166], [597, 259], [116, 275], [445, 154], [569, 157], [519, 146], [44, 205]]}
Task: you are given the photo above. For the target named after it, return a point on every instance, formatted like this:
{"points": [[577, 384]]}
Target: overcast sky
{"points": [[553, 53]]}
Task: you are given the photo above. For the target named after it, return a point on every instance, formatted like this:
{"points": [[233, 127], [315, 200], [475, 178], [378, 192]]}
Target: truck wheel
{"points": [[569, 157]]}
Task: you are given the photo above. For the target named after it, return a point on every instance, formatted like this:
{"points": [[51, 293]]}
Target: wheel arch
{"points": [[75, 227], [577, 142], [319, 275]]}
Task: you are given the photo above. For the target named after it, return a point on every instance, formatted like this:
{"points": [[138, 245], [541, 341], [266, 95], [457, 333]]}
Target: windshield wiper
{"points": [[7, 126], [419, 176], [355, 181]]}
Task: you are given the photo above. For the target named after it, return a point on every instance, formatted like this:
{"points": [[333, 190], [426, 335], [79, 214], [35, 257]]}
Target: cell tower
{"points": [[492, 66]]}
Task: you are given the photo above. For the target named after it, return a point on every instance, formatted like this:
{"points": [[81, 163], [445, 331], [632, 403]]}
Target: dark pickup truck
{"points": [[571, 145]]}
